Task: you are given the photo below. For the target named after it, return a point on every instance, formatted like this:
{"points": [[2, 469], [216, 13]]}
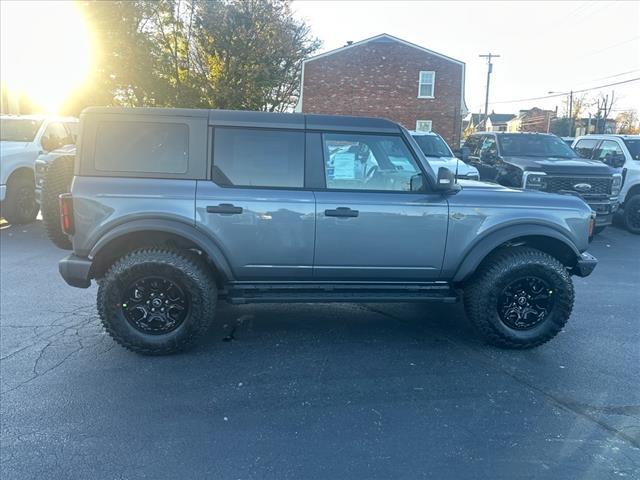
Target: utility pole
{"points": [[488, 56], [573, 126]]}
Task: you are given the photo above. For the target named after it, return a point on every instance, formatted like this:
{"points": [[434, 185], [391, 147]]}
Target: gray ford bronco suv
{"points": [[171, 210]]}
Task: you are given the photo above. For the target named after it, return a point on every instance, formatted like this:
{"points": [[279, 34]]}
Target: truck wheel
{"points": [[631, 215], [156, 301], [57, 180], [599, 230], [519, 298], [20, 204]]}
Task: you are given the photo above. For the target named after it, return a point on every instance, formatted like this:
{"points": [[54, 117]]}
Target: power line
{"points": [[567, 93], [589, 54], [611, 76]]}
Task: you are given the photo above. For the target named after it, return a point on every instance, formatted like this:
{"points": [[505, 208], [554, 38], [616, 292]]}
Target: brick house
{"points": [[533, 120], [385, 76]]}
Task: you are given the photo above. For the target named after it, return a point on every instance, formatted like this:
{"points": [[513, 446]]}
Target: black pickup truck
{"points": [[539, 161]]}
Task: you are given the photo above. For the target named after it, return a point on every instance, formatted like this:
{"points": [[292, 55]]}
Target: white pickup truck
{"points": [[619, 151], [23, 138]]}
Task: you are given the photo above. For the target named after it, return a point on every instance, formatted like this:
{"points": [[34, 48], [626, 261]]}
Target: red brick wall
{"points": [[380, 79]]}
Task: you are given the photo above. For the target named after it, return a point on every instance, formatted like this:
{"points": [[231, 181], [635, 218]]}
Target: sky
{"points": [[553, 46]]}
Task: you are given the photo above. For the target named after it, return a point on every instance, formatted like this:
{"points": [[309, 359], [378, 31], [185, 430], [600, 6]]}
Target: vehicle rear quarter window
{"points": [[633, 145], [142, 147], [258, 158], [585, 147]]}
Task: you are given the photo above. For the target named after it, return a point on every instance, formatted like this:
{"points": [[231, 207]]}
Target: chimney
{"points": [[349, 42]]}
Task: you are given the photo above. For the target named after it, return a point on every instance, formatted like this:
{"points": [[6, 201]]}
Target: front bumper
{"points": [[585, 265], [76, 271]]}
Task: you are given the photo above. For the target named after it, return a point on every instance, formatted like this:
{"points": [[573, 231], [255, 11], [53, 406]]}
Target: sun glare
{"points": [[45, 51]]}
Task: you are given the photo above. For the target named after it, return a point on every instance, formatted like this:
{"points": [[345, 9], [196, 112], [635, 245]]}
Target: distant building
{"points": [[587, 125], [533, 120], [385, 76], [497, 122]]}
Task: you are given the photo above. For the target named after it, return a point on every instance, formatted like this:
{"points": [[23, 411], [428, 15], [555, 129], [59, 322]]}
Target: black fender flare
{"points": [[181, 229], [485, 245]]}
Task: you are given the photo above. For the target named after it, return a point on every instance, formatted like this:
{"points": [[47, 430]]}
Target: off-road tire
{"points": [[187, 270], [57, 180], [630, 214], [482, 293], [20, 206]]}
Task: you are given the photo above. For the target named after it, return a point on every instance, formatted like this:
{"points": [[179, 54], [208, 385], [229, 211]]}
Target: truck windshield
{"points": [[531, 145], [18, 129], [432, 146], [634, 148]]}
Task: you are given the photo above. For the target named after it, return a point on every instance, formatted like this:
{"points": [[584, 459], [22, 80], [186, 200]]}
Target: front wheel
{"points": [[631, 215], [519, 298], [157, 301]]}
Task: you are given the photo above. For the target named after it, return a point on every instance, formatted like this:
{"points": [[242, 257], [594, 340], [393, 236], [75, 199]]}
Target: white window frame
{"points": [[433, 83], [418, 122]]}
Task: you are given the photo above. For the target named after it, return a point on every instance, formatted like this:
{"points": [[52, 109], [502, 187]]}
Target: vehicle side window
{"points": [[258, 158], [585, 147], [142, 147], [54, 136], [367, 162], [489, 147], [608, 148]]}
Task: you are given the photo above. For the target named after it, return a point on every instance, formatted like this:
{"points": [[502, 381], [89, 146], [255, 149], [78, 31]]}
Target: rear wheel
{"points": [[57, 180], [520, 298], [157, 301], [631, 215], [598, 230], [20, 204]]}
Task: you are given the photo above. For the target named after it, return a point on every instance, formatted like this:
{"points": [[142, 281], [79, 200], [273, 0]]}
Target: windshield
{"points": [[18, 129], [531, 145], [634, 148], [432, 146]]}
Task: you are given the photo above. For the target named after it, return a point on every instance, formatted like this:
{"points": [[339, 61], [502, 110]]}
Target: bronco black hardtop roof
{"points": [[240, 118]]}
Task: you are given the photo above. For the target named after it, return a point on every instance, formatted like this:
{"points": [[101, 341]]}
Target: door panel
{"points": [[265, 234], [384, 236]]}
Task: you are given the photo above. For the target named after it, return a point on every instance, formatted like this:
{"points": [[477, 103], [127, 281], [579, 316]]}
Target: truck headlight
{"points": [[616, 184], [534, 180]]}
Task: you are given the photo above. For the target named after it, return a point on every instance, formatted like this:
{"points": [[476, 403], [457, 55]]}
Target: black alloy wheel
{"points": [[525, 303], [155, 305]]}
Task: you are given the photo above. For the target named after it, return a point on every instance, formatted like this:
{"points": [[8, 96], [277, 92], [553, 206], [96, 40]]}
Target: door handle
{"points": [[341, 212], [225, 209]]}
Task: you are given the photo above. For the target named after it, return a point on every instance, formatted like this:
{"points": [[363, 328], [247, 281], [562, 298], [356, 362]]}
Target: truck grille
{"points": [[599, 186]]}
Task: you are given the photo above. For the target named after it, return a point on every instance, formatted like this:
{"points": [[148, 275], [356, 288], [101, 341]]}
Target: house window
{"points": [[423, 125], [426, 82]]}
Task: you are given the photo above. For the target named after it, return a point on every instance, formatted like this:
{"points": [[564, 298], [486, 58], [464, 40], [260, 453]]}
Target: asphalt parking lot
{"points": [[317, 391]]}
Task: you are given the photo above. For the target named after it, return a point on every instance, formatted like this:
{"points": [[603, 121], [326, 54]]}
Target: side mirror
{"points": [[446, 180], [616, 160], [465, 152], [416, 183]]}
